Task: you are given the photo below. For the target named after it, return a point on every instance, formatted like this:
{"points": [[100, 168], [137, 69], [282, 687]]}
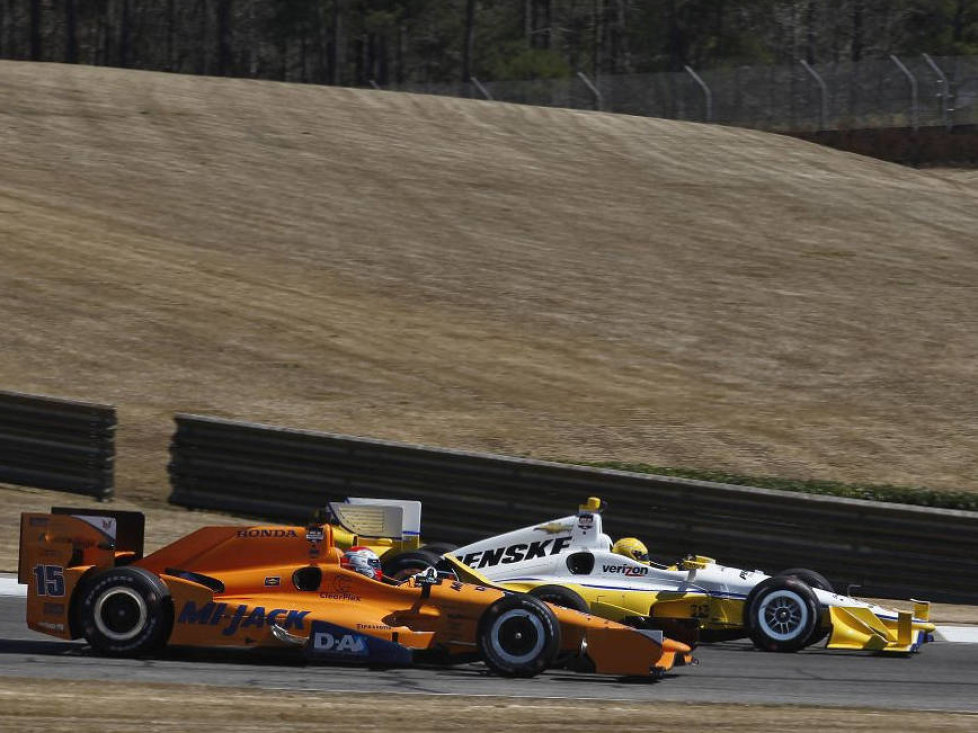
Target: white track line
{"points": [[10, 587], [957, 634]]}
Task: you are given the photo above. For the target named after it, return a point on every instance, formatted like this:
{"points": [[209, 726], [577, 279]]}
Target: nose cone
{"points": [[677, 647]]}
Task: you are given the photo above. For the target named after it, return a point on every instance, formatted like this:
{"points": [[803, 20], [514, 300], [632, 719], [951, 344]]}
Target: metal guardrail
{"points": [[50, 443], [885, 549]]}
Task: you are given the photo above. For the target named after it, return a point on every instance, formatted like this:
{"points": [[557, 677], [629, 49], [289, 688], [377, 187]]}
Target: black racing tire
{"points": [[440, 548], [125, 612], [518, 636], [405, 564], [815, 580], [809, 577], [561, 596], [781, 614]]}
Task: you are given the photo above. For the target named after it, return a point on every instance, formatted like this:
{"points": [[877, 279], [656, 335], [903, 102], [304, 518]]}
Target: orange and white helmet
{"points": [[362, 560]]}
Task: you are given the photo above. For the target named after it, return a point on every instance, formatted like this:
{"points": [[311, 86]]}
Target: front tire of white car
{"points": [[781, 614]]}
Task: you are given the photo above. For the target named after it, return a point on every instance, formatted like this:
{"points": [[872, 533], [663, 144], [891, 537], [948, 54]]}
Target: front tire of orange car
{"points": [[126, 612], [518, 636]]}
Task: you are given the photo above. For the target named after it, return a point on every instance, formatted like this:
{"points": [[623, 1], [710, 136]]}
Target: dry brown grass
{"points": [[83, 707], [484, 276]]}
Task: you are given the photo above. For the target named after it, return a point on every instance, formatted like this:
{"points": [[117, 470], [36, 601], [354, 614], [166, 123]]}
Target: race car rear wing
{"points": [[77, 537], [395, 518]]}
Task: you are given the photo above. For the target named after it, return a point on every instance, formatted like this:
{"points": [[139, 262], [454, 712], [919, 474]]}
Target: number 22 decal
{"points": [[50, 580]]}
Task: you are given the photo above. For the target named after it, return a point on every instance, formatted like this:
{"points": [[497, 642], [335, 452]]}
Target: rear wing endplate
{"points": [[395, 518]]}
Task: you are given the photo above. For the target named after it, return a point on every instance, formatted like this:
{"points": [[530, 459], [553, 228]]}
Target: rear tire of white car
{"points": [[782, 614], [561, 596], [403, 566], [518, 636]]}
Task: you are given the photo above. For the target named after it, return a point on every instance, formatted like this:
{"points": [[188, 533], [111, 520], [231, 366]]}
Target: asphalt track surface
{"points": [[942, 677]]}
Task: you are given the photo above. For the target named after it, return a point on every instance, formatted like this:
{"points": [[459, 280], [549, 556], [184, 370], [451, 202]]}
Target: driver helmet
{"points": [[362, 560], [632, 548]]}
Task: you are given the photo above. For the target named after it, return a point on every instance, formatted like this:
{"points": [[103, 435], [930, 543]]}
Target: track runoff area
{"points": [[942, 677]]}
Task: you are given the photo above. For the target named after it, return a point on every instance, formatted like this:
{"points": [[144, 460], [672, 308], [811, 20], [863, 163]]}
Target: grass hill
{"points": [[544, 282]]}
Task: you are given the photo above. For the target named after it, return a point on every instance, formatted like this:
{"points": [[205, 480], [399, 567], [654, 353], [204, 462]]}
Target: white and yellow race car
{"points": [[569, 562]]}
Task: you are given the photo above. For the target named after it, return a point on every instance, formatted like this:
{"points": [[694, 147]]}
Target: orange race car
{"points": [[287, 587]]}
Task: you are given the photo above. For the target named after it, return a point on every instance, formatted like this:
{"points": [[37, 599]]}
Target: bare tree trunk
{"points": [[957, 27], [71, 32], [36, 30], [202, 42], [224, 64], [338, 50], [469, 40], [596, 11], [124, 34], [810, 40], [253, 47], [170, 34], [624, 62], [104, 41], [858, 41]]}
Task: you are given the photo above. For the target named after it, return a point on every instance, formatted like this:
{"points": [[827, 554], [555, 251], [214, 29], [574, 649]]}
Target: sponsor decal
{"points": [[375, 627], [49, 580], [242, 617], [273, 581], [256, 533], [53, 609], [314, 536], [629, 570], [331, 641], [340, 589], [515, 553], [38, 522], [553, 528], [50, 626], [586, 522], [352, 644]]}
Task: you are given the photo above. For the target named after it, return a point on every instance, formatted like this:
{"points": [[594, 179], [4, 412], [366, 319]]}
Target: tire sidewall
{"points": [[808, 577], [796, 593], [538, 616], [155, 617], [561, 596], [405, 564], [815, 580]]}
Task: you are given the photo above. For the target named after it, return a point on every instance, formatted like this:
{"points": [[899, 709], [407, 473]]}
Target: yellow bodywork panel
{"points": [[860, 628]]}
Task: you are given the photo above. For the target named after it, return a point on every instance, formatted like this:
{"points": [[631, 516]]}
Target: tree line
{"points": [[392, 42]]}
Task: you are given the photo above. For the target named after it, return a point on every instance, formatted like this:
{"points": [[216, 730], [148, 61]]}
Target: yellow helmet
{"points": [[632, 548]]}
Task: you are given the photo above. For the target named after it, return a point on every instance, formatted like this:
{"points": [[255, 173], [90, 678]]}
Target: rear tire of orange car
{"points": [[781, 614], [518, 636], [126, 612]]}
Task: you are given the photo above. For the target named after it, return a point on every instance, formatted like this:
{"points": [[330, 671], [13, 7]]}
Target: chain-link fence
{"points": [[922, 91]]}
